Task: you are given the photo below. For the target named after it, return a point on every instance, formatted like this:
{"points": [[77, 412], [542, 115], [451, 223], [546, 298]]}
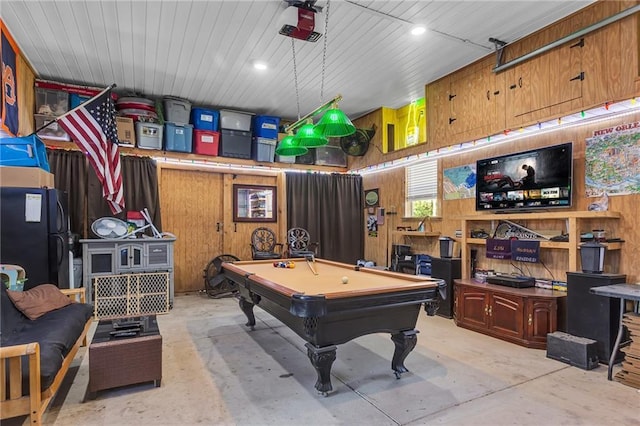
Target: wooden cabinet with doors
{"points": [[521, 316], [437, 94], [606, 59], [548, 81], [466, 102]]}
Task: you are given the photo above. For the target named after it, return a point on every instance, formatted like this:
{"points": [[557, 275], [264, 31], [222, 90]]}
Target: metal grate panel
{"points": [[131, 294]]}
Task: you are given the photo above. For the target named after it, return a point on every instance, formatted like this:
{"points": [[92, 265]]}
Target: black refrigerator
{"points": [[34, 231]]}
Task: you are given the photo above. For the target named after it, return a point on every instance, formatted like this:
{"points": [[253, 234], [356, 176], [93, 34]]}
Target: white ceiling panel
{"points": [[204, 50]]}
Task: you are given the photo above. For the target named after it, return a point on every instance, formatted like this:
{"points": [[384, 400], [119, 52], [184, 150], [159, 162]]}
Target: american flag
{"points": [[92, 126]]}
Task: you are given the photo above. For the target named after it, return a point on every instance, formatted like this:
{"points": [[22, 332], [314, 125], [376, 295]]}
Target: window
{"points": [[422, 189]]}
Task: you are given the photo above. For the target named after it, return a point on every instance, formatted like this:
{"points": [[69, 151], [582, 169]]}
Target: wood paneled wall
{"points": [[197, 206], [392, 187], [191, 206]]}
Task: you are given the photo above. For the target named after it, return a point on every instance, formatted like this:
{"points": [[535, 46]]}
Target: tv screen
{"points": [[535, 179]]}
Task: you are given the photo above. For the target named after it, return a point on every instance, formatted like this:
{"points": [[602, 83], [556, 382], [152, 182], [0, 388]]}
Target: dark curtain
{"points": [[330, 208], [70, 170], [140, 185], [74, 175]]}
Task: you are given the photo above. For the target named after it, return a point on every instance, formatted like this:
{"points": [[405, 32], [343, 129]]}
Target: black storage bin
{"points": [[235, 144], [592, 316]]}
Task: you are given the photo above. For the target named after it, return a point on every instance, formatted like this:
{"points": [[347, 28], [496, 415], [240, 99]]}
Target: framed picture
{"points": [[371, 198], [254, 203]]}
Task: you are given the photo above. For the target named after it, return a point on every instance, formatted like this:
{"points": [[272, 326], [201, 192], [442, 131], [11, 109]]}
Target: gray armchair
{"points": [[299, 243]]}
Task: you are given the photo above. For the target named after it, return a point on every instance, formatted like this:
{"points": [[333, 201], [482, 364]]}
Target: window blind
{"points": [[422, 180]]}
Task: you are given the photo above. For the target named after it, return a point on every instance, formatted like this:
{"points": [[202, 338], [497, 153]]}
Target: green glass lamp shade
{"points": [[309, 137], [335, 124], [289, 147]]}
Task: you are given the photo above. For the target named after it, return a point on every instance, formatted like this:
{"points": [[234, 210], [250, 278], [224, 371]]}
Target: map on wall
{"points": [[459, 182], [612, 160]]}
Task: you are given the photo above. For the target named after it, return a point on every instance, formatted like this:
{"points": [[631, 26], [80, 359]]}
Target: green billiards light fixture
{"points": [[309, 137], [335, 123], [288, 146]]}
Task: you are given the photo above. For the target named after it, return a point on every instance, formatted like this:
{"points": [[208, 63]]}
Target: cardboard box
{"points": [[126, 131], [26, 177]]}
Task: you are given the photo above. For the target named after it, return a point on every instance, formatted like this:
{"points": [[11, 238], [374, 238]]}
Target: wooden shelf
{"points": [[125, 150], [550, 244], [416, 233], [572, 218], [544, 215]]}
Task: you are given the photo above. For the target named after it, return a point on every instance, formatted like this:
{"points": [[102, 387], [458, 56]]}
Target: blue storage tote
{"points": [[423, 263], [77, 100], [178, 137], [26, 151], [205, 119], [265, 126]]}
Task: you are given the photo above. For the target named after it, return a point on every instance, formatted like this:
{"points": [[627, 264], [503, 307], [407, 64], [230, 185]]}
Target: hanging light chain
{"points": [[295, 76], [324, 51]]}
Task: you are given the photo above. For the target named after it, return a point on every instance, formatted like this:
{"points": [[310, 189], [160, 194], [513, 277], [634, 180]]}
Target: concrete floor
{"points": [[216, 371]]}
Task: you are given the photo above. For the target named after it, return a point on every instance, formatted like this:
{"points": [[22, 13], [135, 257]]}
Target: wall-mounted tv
{"points": [[529, 180]]}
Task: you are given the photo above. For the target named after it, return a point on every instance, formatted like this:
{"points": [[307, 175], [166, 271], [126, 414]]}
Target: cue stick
{"points": [[313, 269]]}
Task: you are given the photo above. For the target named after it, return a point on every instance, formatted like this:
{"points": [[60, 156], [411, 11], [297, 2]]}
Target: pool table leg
{"points": [[405, 341], [247, 308], [322, 359]]}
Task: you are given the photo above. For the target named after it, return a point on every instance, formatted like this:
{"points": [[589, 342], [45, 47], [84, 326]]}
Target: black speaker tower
{"points": [[591, 316], [447, 269]]}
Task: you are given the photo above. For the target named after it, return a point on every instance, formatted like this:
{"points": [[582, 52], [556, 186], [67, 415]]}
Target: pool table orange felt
{"points": [[325, 312], [328, 282]]}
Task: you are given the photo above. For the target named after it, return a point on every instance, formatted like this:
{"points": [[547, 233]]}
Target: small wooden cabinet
{"points": [[522, 316]]}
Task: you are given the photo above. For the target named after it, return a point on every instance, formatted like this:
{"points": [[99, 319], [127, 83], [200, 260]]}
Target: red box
{"points": [[206, 142]]}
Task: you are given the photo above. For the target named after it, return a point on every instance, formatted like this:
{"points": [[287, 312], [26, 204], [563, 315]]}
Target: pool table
{"points": [[312, 299]]}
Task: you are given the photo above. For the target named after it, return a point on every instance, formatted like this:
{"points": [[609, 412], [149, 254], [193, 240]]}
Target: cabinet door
{"points": [[506, 314], [438, 112], [517, 99], [493, 100], [158, 255], [473, 307], [101, 261], [541, 318], [468, 99], [130, 257]]}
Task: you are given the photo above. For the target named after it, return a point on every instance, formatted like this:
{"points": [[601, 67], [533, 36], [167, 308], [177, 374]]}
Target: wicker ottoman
{"points": [[122, 354]]}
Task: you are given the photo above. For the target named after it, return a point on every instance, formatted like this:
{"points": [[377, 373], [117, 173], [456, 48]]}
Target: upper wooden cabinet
{"points": [[548, 81], [600, 67], [438, 112]]}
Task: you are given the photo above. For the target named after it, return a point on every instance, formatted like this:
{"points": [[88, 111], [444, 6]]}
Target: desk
{"points": [[623, 292], [325, 312]]}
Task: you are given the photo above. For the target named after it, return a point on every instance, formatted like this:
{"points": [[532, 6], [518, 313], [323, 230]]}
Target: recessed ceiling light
{"points": [[260, 65], [418, 30]]}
